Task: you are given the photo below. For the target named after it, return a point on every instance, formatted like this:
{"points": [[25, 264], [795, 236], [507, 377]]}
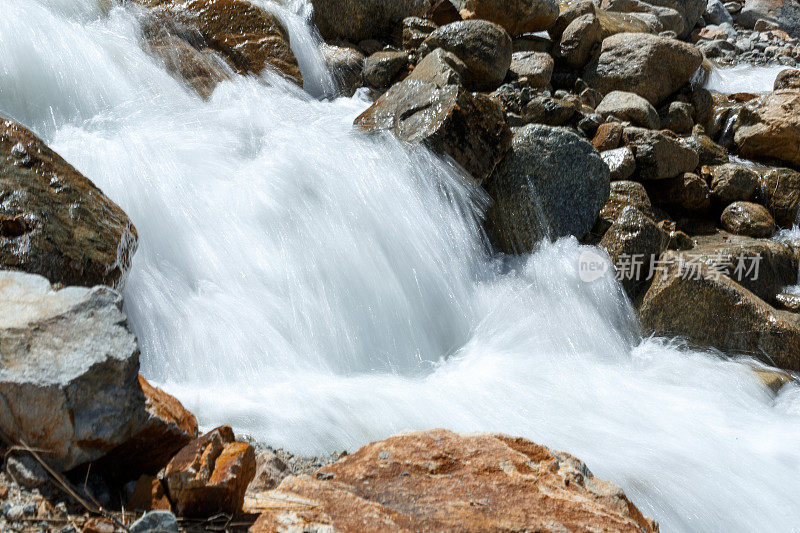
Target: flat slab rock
{"points": [[441, 481]]}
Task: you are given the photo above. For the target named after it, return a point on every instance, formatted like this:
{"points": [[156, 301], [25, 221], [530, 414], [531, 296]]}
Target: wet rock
{"points": [[658, 154], [769, 127], [440, 68], [549, 111], [443, 12], [580, 39], [54, 221], [788, 302], [346, 64], [569, 13], [414, 30], [201, 69], [149, 494], [651, 66], [516, 16], [780, 193], [484, 47], [68, 382], [662, 19], [788, 79], [532, 68], [708, 152], [691, 300], [357, 20], [747, 218], [784, 12], [629, 107], [732, 182], [470, 483], [608, 136], [612, 23], [155, 522], [551, 183], [688, 193], [621, 163], [633, 235], [626, 194], [468, 127], [381, 68], [210, 475], [246, 35], [677, 117]]}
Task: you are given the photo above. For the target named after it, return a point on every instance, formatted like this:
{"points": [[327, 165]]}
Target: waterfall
{"points": [[318, 288]]}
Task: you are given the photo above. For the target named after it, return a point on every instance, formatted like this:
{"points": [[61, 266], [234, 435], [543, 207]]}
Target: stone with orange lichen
{"points": [[210, 474], [441, 481]]}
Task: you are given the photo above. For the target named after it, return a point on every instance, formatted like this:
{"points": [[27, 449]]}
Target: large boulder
{"points": [[69, 375], [551, 183], [659, 154], [54, 221], [249, 37], [694, 301], [732, 182], [516, 16], [780, 193], [484, 47], [633, 242], [357, 20], [440, 68], [769, 127], [468, 127], [785, 13], [747, 218], [580, 39], [629, 107], [440, 481], [651, 66], [210, 475]]}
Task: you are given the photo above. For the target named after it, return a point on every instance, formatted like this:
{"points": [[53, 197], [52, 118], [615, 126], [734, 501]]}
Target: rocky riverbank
{"points": [[584, 120]]}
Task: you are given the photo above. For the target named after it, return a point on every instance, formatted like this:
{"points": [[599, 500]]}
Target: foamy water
{"points": [[744, 79], [319, 288]]}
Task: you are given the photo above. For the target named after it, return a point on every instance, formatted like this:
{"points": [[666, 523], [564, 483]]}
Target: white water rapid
{"points": [[319, 289]]}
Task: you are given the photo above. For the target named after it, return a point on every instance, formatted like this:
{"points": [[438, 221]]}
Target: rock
{"points": [[25, 470], [621, 163], [149, 494], [788, 302], [579, 41], [688, 193], [772, 379], [708, 152], [659, 155], [551, 183], [716, 13], [612, 23], [414, 31], [346, 64], [68, 381], [484, 47], [167, 428], [764, 267], [651, 66], [633, 242], [54, 221], [532, 68], [270, 471], [769, 127], [732, 182], [439, 481], [201, 69], [468, 127], [98, 525], [629, 107], [780, 193], [516, 16], [626, 194], [443, 12], [357, 20], [662, 19], [532, 43], [569, 13], [677, 117], [788, 79], [608, 136], [440, 68], [690, 10], [549, 111], [210, 475], [246, 35], [747, 218], [381, 68], [155, 522], [710, 309], [784, 12]]}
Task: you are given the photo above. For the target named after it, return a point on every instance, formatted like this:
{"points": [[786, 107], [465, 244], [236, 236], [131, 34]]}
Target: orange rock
{"points": [[98, 525], [210, 474], [168, 428], [440, 481], [149, 495]]}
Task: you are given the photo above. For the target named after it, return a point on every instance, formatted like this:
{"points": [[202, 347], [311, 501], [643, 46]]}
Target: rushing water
{"points": [[319, 288], [744, 79]]}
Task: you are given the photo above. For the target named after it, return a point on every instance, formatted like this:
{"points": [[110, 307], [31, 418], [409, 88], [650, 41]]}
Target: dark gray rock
{"points": [[356, 20], [381, 68]]}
